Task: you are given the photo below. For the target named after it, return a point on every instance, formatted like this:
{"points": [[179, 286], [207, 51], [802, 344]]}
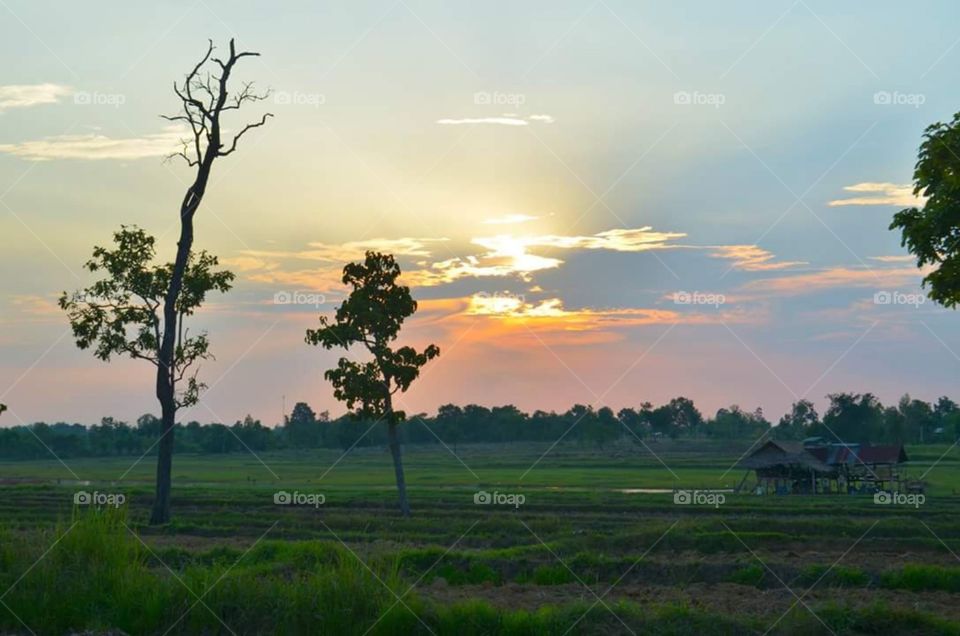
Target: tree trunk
{"points": [[161, 501], [204, 119], [394, 437], [167, 367]]}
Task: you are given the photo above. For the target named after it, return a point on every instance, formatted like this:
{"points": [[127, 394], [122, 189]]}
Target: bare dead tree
{"points": [[204, 95]]}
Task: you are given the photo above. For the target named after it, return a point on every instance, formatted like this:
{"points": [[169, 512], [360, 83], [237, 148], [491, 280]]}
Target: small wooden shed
{"points": [[815, 467]]}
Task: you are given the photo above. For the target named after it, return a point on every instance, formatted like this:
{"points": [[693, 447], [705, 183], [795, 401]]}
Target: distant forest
{"points": [[850, 417]]}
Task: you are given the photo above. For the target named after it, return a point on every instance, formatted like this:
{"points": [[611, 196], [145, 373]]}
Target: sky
{"points": [[604, 202]]}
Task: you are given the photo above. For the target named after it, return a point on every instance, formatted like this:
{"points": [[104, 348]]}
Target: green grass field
{"points": [[581, 554]]}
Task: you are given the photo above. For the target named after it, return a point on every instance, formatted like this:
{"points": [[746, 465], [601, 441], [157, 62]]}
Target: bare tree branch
{"points": [[236, 138], [204, 98]]}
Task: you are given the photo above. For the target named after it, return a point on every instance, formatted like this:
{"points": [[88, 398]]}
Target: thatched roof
{"points": [[780, 453], [823, 459], [852, 454]]}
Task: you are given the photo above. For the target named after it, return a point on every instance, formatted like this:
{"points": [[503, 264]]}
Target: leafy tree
{"points": [[149, 425], [799, 422], [633, 421], [947, 415], [951, 426], [606, 427], [676, 418], [251, 434], [303, 430], [853, 417], [450, 417], [507, 422], [932, 233], [371, 316], [661, 420], [3, 407], [120, 315], [894, 425], [918, 418], [944, 407], [734, 423]]}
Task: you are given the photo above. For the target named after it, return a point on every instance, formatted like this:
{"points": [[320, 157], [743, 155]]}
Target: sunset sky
{"points": [[602, 202]]}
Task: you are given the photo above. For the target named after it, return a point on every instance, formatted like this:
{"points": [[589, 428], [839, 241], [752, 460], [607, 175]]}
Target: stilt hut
{"points": [[814, 467]]}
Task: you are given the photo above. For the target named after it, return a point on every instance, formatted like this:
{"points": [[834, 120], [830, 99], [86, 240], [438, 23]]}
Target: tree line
{"points": [[849, 417]]}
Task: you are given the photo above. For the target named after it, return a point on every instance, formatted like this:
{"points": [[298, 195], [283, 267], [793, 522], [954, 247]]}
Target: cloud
{"points": [[28, 309], [880, 194], [27, 95], [839, 277], [505, 260], [619, 240], [502, 255], [508, 255], [248, 263], [902, 258], [751, 258], [277, 266], [351, 250], [95, 146], [501, 121], [507, 119], [551, 312]]}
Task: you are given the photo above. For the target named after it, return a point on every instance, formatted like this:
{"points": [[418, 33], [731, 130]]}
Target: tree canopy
{"points": [[932, 233], [371, 316], [120, 314]]}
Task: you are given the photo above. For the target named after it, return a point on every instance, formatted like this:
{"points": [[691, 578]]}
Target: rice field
{"points": [[514, 539]]}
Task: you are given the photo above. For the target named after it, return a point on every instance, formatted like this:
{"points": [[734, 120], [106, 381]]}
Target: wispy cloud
{"points": [[880, 194], [638, 239], [351, 250], [901, 258], [508, 255], [499, 256], [27, 95], [551, 311], [508, 119], [500, 121], [95, 146], [839, 277], [288, 267], [752, 258]]}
